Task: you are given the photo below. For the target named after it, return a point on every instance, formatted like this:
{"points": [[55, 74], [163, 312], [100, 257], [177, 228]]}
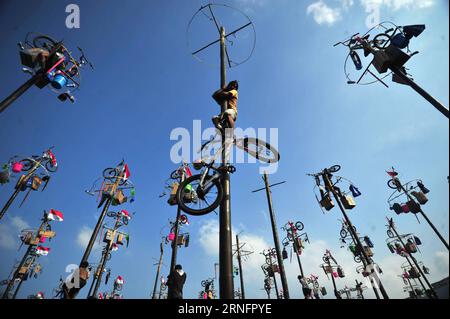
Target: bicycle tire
{"points": [[27, 164], [125, 221], [111, 214], [391, 184], [390, 234], [49, 166], [334, 168], [46, 38], [343, 233], [257, 154], [325, 259], [299, 226], [174, 174], [357, 259], [376, 42], [316, 285], [201, 211], [109, 173], [203, 283]]}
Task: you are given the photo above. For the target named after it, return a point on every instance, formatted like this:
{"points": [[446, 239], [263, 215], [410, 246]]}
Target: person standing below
{"points": [[175, 283], [305, 287], [229, 95]]}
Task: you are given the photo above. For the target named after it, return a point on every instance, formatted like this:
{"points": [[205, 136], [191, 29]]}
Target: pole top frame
{"points": [[208, 12]]}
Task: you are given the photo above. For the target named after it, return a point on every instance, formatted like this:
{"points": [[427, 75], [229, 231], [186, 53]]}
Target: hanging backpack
{"points": [[397, 208], [426, 270], [368, 241], [420, 196], [285, 254], [323, 291]]}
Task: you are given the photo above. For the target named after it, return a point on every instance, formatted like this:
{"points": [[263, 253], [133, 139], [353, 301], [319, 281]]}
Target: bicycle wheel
{"points": [[175, 175], [381, 41], [334, 168], [316, 285], [109, 173], [325, 259], [49, 166], [203, 283], [357, 259], [343, 233], [125, 221], [259, 149], [27, 164], [299, 226], [44, 42], [390, 234], [198, 202], [392, 184], [111, 214]]}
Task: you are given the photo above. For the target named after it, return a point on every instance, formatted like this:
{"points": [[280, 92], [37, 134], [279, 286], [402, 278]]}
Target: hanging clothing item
{"points": [[391, 248], [397, 208], [413, 207], [423, 188]]}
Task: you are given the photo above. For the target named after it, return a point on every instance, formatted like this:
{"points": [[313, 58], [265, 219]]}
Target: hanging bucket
{"points": [[17, 167], [421, 197], [355, 191], [59, 81], [417, 240]]}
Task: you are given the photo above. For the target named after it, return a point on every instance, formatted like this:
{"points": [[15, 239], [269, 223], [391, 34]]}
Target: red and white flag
{"points": [[119, 280], [43, 251], [125, 214], [55, 215], [114, 247], [126, 172]]}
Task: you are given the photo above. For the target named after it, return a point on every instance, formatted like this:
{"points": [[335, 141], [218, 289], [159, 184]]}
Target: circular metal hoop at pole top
{"points": [[208, 11]]}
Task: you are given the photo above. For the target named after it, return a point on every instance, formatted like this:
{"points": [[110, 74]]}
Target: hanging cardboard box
{"points": [[348, 202], [36, 183], [120, 238], [420, 196], [47, 233], [327, 203], [109, 236]]}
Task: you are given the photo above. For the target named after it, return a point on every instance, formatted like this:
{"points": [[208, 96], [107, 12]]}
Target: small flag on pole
{"points": [[55, 215], [42, 251]]}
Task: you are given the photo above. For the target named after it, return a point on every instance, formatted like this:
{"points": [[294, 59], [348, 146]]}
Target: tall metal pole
{"points": [[161, 248], [274, 277], [22, 262], [441, 108], [17, 93], [275, 238], [424, 215], [430, 292], [241, 275], [100, 220], [330, 186], [226, 285], [17, 191], [98, 280]]}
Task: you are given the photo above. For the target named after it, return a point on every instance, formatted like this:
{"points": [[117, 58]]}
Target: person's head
{"points": [[84, 264], [178, 267], [233, 85]]}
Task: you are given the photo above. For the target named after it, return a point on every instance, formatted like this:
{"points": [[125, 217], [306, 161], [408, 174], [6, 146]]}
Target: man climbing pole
{"points": [[75, 282], [175, 281], [230, 95]]}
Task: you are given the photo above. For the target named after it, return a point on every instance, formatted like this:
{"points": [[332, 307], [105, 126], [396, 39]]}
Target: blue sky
{"points": [[145, 84]]}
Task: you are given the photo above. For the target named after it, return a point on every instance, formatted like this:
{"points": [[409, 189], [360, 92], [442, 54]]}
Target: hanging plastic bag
{"points": [[17, 167], [285, 254], [323, 291], [423, 188], [415, 30], [405, 208]]}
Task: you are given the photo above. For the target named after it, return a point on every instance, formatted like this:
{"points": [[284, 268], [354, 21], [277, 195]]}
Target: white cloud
{"points": [[83, 237], [323, 14], [10, 231], [398, 4]]}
